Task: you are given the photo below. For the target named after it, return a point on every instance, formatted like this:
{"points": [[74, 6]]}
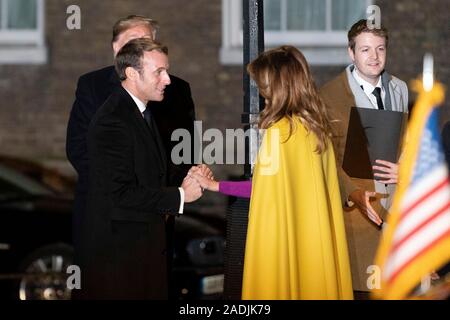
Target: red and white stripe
{"points": [[424, 220]]}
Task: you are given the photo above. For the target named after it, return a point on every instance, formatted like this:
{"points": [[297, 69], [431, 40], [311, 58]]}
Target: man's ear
{"points": [[115, 47], [131, 73], [351, 54]]}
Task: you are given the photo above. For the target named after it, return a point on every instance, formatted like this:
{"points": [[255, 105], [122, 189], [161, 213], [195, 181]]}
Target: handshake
{"points": [[198, 179]]}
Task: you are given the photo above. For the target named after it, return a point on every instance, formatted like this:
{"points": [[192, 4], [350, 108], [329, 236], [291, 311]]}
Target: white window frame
{"points": [[24, 46], [319, 47]]}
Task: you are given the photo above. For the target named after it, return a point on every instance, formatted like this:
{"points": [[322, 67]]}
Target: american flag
{"points": [[418, 240]]}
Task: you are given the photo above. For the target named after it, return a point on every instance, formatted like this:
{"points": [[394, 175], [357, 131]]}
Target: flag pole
{"points": [[427, 82], [428, 72]]}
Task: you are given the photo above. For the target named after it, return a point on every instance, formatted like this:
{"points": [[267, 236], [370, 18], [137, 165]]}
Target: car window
{"points": [[14, 183]]}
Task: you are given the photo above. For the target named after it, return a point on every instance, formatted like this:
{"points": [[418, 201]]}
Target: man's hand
{"points": [[389, 171], [204, 176], [203, 170], [206, 183], [192, 189], [361, 199]]}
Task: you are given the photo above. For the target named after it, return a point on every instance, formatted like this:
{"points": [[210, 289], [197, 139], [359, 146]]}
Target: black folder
{"points": [[372, 134]]}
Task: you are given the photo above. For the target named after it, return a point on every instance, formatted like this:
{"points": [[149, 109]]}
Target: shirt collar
{"points": [[138, 102], [367, 87]]}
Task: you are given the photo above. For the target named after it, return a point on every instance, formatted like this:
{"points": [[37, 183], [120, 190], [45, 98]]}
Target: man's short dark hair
{"points": [[360, 27], [131, 55]]}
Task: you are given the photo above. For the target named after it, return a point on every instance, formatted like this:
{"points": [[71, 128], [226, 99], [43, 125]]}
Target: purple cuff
{"points": [[241, 189]]}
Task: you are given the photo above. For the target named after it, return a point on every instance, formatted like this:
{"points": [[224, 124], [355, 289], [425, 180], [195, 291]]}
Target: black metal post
{"points": [[253, 30], [237, 213]]}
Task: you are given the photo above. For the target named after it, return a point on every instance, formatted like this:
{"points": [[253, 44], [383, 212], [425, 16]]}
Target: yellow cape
{"points": [[296, 246]]}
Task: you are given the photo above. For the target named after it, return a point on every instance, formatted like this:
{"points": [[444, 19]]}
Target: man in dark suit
{"points": [[175, 111], [123, 243]]}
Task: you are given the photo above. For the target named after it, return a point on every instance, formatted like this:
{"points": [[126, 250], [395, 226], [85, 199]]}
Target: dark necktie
{"points": [[148, 118], [151, 124], [377, 93]]}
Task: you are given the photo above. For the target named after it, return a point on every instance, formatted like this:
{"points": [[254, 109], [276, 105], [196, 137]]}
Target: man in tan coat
{"points": [[364, 84]]}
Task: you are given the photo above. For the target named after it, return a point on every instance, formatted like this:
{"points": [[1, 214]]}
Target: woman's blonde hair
{"points": [[285, 82]]}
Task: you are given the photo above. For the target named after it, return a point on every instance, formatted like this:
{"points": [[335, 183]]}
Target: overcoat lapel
{"points": [[153, 142]]}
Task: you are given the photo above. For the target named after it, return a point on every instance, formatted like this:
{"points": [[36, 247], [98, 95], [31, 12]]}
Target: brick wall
{"points": [[417, 27], [35, 101]]}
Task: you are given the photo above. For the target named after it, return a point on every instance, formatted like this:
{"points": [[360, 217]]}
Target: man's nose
{"points": [[166, 79], [374, 54]]}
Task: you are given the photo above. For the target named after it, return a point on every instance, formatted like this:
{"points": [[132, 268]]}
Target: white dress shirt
{"points": [[368, 88], [142, 106]]}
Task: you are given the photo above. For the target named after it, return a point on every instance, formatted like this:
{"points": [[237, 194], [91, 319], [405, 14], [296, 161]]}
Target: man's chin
{"points": [[376, 70], [158, 98]]}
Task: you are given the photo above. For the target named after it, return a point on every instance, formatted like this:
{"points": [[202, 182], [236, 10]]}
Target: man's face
{"points": [[139, 31], [154, 77], [369, 56]]}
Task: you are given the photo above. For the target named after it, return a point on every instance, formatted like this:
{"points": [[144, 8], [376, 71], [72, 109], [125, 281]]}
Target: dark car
{"points": [[35, 238], [199, 243]]}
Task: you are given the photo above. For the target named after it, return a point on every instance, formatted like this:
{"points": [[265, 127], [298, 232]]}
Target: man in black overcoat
{"points": [[123, 235]]}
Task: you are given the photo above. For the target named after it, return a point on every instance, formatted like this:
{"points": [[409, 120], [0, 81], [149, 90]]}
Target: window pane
{"points": [[306, 14], [22, 14], [272, 15], [346, 12]]}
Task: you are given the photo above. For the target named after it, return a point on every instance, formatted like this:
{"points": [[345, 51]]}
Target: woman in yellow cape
{"points": [[296, 246]]}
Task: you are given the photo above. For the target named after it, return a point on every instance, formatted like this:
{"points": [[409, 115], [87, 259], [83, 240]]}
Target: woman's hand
{"points": [[205, 183]]}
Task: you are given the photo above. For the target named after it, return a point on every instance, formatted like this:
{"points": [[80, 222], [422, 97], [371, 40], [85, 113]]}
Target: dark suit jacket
{"points": [[175, 111], [123, 244]]}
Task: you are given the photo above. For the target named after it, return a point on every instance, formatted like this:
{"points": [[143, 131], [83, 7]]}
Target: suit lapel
{"points": [[150, 138], [153, 145], [396, 96], [386, 80], [157, 138]]}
